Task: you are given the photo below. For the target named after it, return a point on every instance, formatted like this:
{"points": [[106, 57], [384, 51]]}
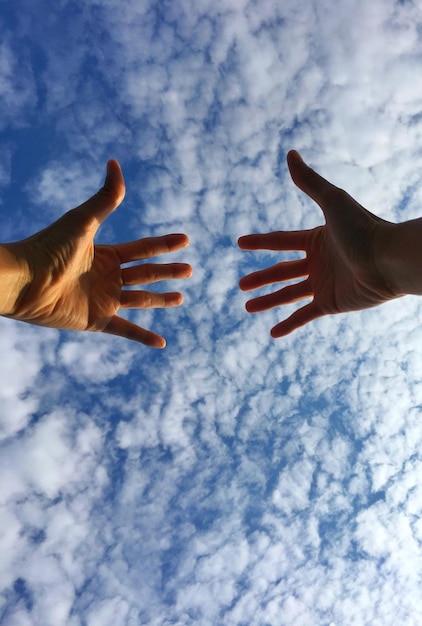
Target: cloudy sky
{"points": [[229, 479]]}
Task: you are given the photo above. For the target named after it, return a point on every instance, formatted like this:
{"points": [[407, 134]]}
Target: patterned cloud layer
{"points": [[230, 479]]}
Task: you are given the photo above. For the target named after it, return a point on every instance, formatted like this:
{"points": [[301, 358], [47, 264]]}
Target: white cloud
{"points": [[61, 187], [103, 358], [231, 478], [17, 93], [22, 347]]}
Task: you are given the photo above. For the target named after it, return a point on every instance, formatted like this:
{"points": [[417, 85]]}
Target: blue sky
{"points": [[230, 479]]}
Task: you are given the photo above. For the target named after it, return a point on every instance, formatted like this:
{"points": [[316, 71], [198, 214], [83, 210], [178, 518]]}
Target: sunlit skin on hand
{"points": [[340, 271], [66, 281]]}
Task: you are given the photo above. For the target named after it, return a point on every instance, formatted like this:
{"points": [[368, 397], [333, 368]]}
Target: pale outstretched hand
{"points": [[340, 271], [67, 282]]}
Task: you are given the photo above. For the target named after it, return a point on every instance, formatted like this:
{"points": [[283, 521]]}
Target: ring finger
{"points": [[131, 299], [287, 295]]}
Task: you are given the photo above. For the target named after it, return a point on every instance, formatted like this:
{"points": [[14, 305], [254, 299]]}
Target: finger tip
{"points": [[242, 242], [115, 181], [113, 167], [173, 299], [279, 331], [247, 243], [177, 241], [152, 340], [244, 284], [294, 154]]}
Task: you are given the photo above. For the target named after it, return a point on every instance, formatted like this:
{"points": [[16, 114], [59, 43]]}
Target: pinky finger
{"points": [[123, 328], [299, 318]]}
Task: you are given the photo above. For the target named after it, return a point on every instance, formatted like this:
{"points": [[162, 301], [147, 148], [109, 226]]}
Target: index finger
{"points": [[149, 247], [281, 240]]}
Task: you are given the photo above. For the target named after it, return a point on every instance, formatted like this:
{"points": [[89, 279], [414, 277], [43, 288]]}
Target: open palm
{"points": [[74, 284], [339, 270]]}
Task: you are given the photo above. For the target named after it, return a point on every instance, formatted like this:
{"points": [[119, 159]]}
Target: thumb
{"points": [[304, 177], [108, 198]]}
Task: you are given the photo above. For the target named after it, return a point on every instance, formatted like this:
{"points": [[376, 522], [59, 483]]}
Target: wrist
{"points": [[14, 277], [398, 255]]}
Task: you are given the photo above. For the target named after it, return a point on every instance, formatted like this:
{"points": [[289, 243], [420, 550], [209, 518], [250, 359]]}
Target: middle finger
{"points": [[151, 273], [287, 270]]}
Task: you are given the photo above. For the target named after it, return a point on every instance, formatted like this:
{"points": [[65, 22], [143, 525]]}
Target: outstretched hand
{"points": [[340, 271], [72, 284]]}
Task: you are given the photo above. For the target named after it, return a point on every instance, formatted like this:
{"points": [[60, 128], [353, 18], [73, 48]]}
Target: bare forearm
{"points": [[13, 278]]}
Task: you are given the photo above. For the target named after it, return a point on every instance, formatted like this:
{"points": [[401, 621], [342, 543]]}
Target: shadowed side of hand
{"points": [[339, 272]]}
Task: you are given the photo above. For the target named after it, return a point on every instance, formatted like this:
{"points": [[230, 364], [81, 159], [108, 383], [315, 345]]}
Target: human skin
{"points": [[354, 261], [60, 278]]}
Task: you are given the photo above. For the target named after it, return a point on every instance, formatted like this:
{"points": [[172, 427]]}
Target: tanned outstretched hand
{"points": [[64, 280], [340, 271]]}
